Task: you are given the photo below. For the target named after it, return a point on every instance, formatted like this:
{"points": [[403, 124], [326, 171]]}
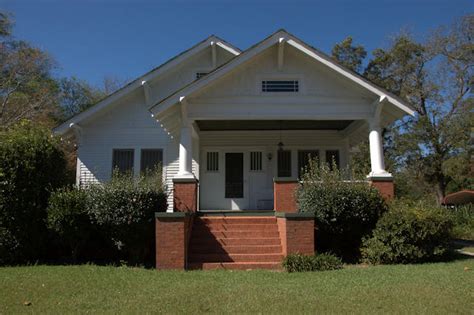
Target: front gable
{"points": [[327, 91]]}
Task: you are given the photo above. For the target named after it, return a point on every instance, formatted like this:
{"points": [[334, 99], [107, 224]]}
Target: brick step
{"points": [[233, 234], [236, 220], [201, 258], [235, 227], [236, 265], [239, 249], [235, 241]]}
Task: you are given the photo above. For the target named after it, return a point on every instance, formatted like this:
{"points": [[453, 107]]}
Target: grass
{"points": [[430, 288]]}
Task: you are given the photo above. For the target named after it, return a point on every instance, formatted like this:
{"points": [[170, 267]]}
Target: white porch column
{"points": [[185, 143], [376, 150], [185, 152]]}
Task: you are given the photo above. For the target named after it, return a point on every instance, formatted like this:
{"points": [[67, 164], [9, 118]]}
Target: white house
{"points": [[229, 126]]}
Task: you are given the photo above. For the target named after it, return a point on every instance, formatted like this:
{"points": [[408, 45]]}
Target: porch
{"points": [[256, 164]]}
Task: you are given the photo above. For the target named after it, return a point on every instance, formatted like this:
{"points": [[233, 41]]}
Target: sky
{"points": [[125, 39]]}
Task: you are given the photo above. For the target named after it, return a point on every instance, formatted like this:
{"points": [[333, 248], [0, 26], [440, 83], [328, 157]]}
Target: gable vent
{"points": [[280, 86]]}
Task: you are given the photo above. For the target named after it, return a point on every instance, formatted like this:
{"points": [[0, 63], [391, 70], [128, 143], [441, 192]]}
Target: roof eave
{"points": [[137, 83]]}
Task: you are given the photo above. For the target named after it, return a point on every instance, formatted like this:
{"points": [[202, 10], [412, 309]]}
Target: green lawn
{"points": [[431, 288]]}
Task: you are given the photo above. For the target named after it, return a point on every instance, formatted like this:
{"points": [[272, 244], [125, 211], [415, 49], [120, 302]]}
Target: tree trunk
{"points": [[440, 189]]}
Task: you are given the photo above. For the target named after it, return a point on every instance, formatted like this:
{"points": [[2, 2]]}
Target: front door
{"points": [[234, 175]]}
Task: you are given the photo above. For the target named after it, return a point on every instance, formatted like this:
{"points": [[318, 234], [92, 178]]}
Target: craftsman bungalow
{"points": [[232, 130]]}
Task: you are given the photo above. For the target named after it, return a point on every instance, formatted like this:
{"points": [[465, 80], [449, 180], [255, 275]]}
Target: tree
{"points": [[76, 96], [348, 55], [31, 166], [27, 88], [5, 24], [436, 77]]}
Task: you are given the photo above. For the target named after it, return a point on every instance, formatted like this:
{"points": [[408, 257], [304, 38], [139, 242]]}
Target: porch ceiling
{"points": [[217, 125]]}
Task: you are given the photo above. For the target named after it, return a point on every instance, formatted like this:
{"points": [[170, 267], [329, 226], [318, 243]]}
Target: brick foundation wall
{"points": [[297, 234], [172, 232], [385, 187], [285, 196], [185, 195]]}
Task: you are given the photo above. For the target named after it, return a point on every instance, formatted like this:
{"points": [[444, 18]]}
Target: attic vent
{"points": [[200, 75], [280, 86]]}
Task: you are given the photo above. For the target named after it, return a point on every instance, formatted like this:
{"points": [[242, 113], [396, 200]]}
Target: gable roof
{"points": [[271, 40], [150, 75]]}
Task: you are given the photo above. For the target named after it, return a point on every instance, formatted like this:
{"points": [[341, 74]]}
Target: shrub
{"points": [[345, 211], [463, 220], [68, 217], [125, 209], [409, 233], [319, 262], [31, 165]]}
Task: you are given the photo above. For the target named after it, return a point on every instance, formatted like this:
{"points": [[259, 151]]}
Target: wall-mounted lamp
{"points": [[269, 156]]}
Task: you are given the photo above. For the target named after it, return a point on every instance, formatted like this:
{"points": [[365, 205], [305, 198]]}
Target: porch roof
{"points": [[227, 125]]}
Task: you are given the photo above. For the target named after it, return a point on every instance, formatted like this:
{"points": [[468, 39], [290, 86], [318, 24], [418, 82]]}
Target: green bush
{"points": [[32, 165], [68, 218], [125, 209], [463, 220], [409, 233], [318, 262], [345, 211]]}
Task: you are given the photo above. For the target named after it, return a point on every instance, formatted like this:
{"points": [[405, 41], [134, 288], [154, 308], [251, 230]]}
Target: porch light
{"points": [[280, 146]]}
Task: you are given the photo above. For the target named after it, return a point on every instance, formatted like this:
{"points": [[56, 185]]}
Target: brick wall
{"points": [[285, 196], [297, 235], [171, 240], [385, 187], [185, 196]]}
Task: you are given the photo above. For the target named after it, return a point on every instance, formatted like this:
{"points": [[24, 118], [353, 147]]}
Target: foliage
{"points": [[345, 211], [319, 262], [27, 88], [348, 55], [463, 220], [436, 77], [76, 96], [67, 216], [125, 209], [31, 165], [409, 233]]}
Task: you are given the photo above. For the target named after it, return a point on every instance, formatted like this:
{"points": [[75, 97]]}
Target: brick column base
{"points": [[296, 233], [284, 196], [172, 233], [185, 194], [385, 187]]}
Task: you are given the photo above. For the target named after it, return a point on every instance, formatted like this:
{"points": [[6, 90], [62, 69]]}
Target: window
{"points": [[212, 161], [255, 161], [303, 159], [150, 159], [284, 163], [122, 160], [332, 156], [280, 86], [200, 75]]}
